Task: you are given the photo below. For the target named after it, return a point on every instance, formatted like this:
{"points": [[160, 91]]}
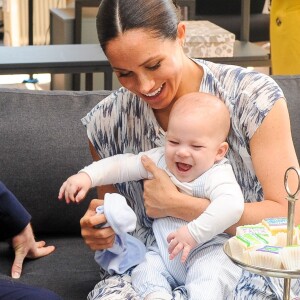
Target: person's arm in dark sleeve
{"points": [[13, 216]]}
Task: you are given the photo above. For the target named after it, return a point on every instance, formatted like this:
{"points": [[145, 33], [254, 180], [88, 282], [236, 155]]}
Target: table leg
{"points": [[108, 79], [76, 82], [286, 289], [89, 81], [245, 26]]}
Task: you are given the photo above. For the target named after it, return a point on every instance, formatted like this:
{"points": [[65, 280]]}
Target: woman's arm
{"points": [[272, 153], [177, 205]]}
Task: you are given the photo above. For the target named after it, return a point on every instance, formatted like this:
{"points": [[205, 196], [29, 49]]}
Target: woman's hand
{"points": [[96, 239], [163, 199], [158, 192]]}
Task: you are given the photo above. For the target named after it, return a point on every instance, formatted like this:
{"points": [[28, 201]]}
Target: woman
{"points": [[143, 42]]}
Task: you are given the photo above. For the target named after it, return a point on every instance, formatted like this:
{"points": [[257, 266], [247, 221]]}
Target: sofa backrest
{"points": [[291, 88], [42, 142]]}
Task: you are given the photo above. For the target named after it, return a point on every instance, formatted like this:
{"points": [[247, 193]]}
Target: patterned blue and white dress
{"points": [[124, 123]]}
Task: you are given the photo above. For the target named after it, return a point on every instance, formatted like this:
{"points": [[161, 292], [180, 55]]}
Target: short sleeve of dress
{"points": [[257, 95]]}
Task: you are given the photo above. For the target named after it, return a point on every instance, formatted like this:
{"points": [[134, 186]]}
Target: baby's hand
{"points": [[75, 188], [181, 240]]}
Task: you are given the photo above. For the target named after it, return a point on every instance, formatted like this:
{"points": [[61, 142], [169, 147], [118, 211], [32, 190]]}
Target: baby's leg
{"points": [[210, 273], [152, 276]]}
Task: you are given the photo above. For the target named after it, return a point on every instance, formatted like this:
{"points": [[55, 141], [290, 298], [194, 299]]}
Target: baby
{"points": [[194, 158]]}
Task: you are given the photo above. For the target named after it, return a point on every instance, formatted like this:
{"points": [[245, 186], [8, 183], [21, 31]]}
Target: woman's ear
{"points": [[181, 32], [223, 148]]}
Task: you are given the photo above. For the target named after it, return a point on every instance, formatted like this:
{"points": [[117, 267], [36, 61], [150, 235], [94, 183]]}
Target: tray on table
{"points": [[287, 275], [280, 273]]}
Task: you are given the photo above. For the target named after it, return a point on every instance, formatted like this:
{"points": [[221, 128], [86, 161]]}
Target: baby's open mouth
{"points": [[183, 167]]}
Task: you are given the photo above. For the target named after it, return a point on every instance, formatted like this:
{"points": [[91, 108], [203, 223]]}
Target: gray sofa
{"points": [[42, 142]]}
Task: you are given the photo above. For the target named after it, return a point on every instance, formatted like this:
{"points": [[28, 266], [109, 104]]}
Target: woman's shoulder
{"points": [[233, 73], [238, 85]]}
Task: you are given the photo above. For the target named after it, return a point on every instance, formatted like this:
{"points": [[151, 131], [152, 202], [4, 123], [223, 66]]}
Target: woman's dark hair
{"points": [[114, 17]]}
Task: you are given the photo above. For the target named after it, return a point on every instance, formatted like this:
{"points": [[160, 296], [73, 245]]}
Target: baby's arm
{"points": [[111, 170], [226, 208], [75, 188]]}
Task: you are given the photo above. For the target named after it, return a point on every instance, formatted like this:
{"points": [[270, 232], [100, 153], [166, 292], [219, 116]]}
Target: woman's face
{"points": [[147, 66]]}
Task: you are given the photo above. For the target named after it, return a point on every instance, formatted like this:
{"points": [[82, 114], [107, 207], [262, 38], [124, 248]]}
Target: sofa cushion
{"points": [[42, 143], [70, 270]]}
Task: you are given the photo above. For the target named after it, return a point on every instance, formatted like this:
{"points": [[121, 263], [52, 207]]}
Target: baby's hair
{"points": [[208, 106], [159, 17]]}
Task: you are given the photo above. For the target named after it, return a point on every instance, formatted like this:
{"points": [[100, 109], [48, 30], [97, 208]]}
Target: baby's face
{"points": [[190, 149]]}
